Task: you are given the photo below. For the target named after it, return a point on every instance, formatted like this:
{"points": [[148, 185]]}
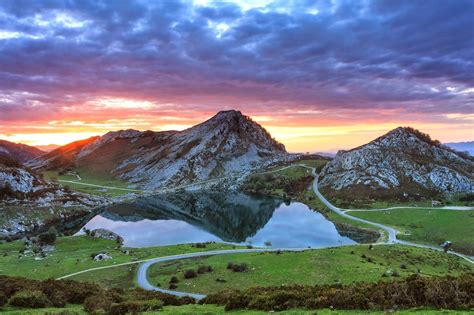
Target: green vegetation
{"points": [[413, 291], [429, 226], [323, 266], [73, 254], [453, 200], [89, 178], [208, 309], [22, 293]]}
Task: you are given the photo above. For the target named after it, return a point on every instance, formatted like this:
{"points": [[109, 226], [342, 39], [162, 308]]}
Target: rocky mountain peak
{"points": [[404, 161]]}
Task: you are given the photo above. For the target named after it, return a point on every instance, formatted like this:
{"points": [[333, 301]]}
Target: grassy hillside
{"points": [[119, 187], [324, 266], [73, 254], [429, 226]]}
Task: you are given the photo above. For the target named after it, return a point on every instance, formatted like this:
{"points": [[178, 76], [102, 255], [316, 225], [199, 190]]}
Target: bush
{"points": [[48, 237], [135, 307], [204, 269], [412, 292], [173, 286], [190, 273], [30, 299], [3, 299], [174, 279], [97, 303], [239, 267]]}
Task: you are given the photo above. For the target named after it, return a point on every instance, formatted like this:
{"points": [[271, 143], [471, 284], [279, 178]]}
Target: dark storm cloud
{"points": [[416, 55]]}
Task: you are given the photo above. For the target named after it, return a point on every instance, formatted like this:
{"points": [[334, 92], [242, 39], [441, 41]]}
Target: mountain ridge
{"points": [[403, 163], [228, 142], [18, 151]]}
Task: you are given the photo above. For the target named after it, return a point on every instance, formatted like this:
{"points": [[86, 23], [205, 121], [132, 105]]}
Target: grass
{"points": [[123, 277], [324, 266], [213, 309], [88, 178], [429, 226], [73, 254]]}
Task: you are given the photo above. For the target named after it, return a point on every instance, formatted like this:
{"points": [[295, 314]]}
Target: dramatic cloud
{"points": [[172, 63]]}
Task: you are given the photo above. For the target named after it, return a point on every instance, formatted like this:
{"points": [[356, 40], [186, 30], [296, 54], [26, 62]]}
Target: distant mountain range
{"points": [[227, 143], [18, 152], [467, 146], [404, 163]]}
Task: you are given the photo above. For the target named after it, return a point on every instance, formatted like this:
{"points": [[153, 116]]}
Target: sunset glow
{"points": [[319, 76]]}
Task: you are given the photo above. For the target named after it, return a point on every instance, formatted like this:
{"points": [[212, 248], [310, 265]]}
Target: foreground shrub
{"points": [[135, 307], [3, 299], [412, 292], [98, 303], [30, 299], [95, 299]]}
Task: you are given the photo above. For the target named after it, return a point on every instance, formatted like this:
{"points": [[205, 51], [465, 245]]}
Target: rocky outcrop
{"points": [[29, 204], [106, 235], [228, 143], [402, 163]]}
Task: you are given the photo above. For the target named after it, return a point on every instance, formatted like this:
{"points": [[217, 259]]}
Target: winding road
{"points": [[142, 279]]}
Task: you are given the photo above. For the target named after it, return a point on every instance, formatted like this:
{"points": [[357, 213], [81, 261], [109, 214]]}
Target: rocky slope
{"points": [[402, 164], [227, 143], [18, 152], [28, 203]]}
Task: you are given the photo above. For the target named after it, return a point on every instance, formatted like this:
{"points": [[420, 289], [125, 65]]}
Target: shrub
{"points": [[199, 245], [31, 299], [230, 265], [204, 269], [3, 299], [173, 286], [239, 267], [136, 307], [97, 303], [174, 279], [48, 237], [403, 266], [412, 292], [190, 273]]}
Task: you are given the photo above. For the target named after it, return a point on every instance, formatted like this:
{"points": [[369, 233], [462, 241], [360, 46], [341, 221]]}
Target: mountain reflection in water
{"points": [[231, 217]]}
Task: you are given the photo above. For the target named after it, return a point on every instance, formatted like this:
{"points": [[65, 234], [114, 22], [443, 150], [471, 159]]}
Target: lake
{"points": [[221, 217]]}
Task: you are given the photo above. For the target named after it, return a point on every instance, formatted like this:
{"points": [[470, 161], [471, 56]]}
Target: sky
{"points": [[319, 75]]}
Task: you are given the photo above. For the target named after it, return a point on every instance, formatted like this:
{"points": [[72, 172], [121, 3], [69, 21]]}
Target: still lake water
{"points": [[230, 217]]}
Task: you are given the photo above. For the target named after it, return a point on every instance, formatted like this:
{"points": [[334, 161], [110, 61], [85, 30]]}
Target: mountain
{"points": [[402, 164], [18, 152], [47, 147], [62, 157], [467, 146], [227, 143]]}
